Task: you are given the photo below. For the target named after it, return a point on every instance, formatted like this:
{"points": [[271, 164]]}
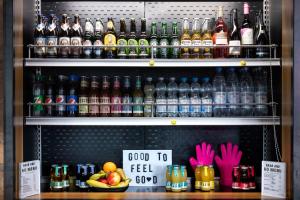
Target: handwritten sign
{"points": [[146, 167], [30, 176], [273, 179]]}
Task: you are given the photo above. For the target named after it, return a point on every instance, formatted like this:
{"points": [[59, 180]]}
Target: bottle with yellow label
{"points": [[196, 38], [205, 178], [198, 177], [183, 181], [110, 39], [176, 179], [212, 177], [185, 39], [169, 178]]}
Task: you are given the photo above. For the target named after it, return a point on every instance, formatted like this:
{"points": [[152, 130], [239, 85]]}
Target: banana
{"points": [[97, 184], [122, 184], [95, 177], [122, 173]]}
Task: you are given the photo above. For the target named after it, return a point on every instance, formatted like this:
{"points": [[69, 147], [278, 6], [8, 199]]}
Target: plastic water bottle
{"points": [[149, 91], [206, 98], [172, 98], [219, 94], [247, 95], [233, 93], [261, 92], [195, 108], [161, 88], [184, 100]]}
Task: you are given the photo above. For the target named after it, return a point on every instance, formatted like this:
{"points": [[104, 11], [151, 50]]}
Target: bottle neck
{"points": [[153, 31]]}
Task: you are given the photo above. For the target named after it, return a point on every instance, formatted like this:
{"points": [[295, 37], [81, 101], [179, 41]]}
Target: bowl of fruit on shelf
{"points": [[109, 179]]}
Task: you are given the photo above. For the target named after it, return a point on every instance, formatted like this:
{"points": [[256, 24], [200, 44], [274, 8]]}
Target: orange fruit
{"points": [[109, 167]]}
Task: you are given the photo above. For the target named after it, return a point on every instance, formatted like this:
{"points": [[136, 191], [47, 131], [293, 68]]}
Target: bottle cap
{"points": [[205, 79], [183, 79], [73, 77], [246, 8], [218, 69], [195, 79]]}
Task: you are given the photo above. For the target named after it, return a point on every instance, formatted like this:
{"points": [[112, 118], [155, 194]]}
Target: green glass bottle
{"points": [[143, 51], [175, 52], [122, 51], [153, 39], [163, 52], [133, 51]]}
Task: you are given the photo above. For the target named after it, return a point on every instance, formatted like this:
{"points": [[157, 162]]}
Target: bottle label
{"points": [[126, 109], [83, 109], [247, 35], [184, 185], [154, 43], [110, 39], [207, 52], [83, 185], [76, 41], [206, 108], [87, 51], [57, 185], [168, 185], [205, 185], [133, 50], [148, 108], [246, 98], [104, 109], [64, 51], [163, 51], [212, 185], [38, 100], [184, 108], [122, 51], [98, 51], [116, 108], [172, 108], [233, 99], [138, 109], [94, 109], [49, 99], [235, 51], [161, 108], [65, 183], [60, 99], [261, 98], [220, 98], [186, 43], [51, 51], [175, 51], [143, 51], [197, 185], [40, 51], [195, 108], [221, 38], [262, 52], [73, 99], [196, 43], [176, 186]]}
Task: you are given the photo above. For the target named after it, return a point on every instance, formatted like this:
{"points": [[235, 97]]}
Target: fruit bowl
{"points": [[119, 189]]}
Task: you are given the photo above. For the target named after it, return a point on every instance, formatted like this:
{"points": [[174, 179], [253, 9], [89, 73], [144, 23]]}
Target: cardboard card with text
{"points": [[29, 176], [146, 167]]}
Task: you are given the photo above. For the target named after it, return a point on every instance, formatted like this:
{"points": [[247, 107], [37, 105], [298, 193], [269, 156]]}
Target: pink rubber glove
{"points": [[230, 157], [204, 154]]}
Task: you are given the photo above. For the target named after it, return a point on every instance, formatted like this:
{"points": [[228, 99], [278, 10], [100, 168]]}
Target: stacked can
{"points": [[83, 172], [243, 178], [59, 178], [176, 176], [204, 178]]}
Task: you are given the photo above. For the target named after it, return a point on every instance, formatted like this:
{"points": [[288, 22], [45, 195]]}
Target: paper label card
{"points": [[273, 179], [147, 167], [29, 176]]}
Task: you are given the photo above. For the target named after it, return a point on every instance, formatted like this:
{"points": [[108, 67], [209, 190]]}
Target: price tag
{"points": [[151, 63], [173, 122], [243, 63], [29, 176], [273, 180]]}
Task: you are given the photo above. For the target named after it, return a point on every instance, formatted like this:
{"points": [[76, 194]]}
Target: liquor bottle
{"points": [[220, 35], [234, 38], [98, 39], [105, 97], [206, 39], [185, 39], [163, 52], [64, 37], [88, 38], [138, 98], [143, 51], [262, 38], [110, 39], [175, 52], [126, 98], [116, 98], [153, 39], [94, 97], [76, 37], [196, 38], [122, 51], [247, 33], [83, 97], [51, 37], [133, 51], [39, 38]]}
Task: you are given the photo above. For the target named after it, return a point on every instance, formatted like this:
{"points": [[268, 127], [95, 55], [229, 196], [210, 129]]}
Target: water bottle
{"points": [[247, 96], [195, 108], [161, 88], [219, 94], [184, 100], [206, 98], [172, 98], [149, 91], [261, 92], [233, 93]]}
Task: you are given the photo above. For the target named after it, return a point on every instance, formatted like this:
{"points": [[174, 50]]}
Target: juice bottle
{"points": [[198, 177], [169, 178], [183, 178], [176, 178], [212, 177], [205, 178]]}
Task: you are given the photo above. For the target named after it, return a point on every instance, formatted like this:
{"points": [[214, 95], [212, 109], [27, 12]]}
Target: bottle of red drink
{"points": [[105, 97], [116, 98]]}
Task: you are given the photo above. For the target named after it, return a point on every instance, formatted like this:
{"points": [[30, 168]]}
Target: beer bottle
{"points": [[83, 97], [206, 38], [143, 51], [38, 95], [64, 37], [72, 97], [39, 38], [110, 39], [138, 98], [133, 51], [105, 97], [153, 39], [185, 39], [98, 38], [175, 52], [61, 96], [76, 35], [88, 38], [122, 51], [126, 98], [49, 97], [51, 37], [196, 38], [94, 97], [116, 98], [164, 41]]}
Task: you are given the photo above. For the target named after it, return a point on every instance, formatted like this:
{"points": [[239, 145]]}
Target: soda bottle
{"points": [[38, 95], [83, 96], [39, 38], [49, 97], [172, 89], [261, 91], [126, 98], [247, 96], [138, 98], [116, 98], [233, 93], [149, 91], [195, 109], [72, 97], [161, 88], [94, 97], [105, 97], [61, 96], [219, 93], [184, 100], [206, 98]]}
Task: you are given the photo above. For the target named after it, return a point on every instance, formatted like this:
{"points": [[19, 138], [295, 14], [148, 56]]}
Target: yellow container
{"points": [[176, 179], [205, 178], [198, 177]]}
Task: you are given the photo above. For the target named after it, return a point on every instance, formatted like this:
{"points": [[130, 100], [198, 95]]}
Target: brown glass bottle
{"points": [[116, 98], [105, 97], [83, 97], [94, 97]]}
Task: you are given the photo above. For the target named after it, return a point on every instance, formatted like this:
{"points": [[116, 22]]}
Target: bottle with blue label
{"points": [[184, 100], [72, 98], [206, 98]]}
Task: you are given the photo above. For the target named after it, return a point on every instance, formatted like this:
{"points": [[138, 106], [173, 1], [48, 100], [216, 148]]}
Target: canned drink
{"points": [[52, 172], [176, 178], [183, 181], [251, 173], [236, 178], [65, 178], [212, 177], [205, 178], [244, 179], [91, 169], [78, 168], [83, 178], [57, 184], [168, 178], [198, 177]]}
